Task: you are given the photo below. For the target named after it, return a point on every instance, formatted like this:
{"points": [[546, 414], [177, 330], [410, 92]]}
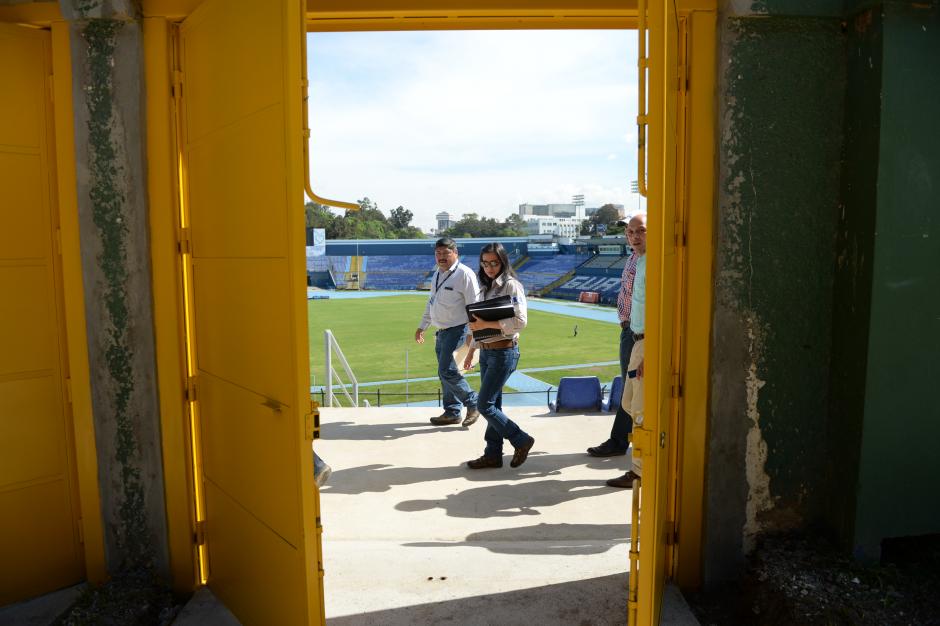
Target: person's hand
{"points": [[468, 362], [639, 370], [478, 324], [419, 336]]}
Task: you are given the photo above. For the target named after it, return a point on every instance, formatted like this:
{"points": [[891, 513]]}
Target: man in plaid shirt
{"points": [[618, 443]]}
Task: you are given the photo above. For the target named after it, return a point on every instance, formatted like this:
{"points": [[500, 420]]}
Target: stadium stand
{"points": [[398, 272], [540, 272]]}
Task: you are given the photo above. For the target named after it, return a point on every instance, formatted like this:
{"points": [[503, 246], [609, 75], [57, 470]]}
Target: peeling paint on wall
{"points": [[758, 481]]}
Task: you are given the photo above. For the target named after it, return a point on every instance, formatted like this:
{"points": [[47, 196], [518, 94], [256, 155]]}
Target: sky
{"points": [[473, 121]]}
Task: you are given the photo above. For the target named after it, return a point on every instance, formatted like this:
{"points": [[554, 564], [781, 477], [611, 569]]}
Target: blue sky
{"points": [[473, 121]]}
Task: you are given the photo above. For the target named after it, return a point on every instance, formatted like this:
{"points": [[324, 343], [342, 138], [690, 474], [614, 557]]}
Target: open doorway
{"points": [[524, 137]]}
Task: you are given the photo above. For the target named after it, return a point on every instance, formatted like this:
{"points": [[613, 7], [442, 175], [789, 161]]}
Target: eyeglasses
{"points": [[490, 263]]}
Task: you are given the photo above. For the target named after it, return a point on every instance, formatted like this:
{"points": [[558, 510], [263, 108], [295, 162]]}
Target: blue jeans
{"points": [[495, 368], [623, 425], [455, 388]]}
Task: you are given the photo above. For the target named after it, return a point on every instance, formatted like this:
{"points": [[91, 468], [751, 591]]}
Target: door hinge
{"points": [[642, 442], [675, 386], [81, 531], [679, 238], [672, 536], [190, 391], [184, 245], [312, 422], [199, 536], [177, 88]]}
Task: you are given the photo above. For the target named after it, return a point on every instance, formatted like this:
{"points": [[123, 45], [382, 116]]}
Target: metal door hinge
{"points": [[312, 422], [184, 245], [642, 442], [190, 391], [672, 536], [176, 89], [199, 536], [679, 238], [675, 387]]}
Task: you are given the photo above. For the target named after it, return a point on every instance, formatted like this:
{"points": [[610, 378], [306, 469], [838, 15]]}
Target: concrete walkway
{"points": [[411, 536]]}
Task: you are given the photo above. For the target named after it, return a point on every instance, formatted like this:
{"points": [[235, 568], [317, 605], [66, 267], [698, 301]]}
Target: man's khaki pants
{"points": [[632, 399]]}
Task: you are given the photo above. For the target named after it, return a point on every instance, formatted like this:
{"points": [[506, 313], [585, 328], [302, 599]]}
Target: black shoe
{"points": [[522, 453], [485, 462], [445, 420], [625, 481], [606, 449], [472, 416]]}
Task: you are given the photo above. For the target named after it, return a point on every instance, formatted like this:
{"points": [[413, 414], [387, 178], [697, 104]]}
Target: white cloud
{"points": [[473, 121]]}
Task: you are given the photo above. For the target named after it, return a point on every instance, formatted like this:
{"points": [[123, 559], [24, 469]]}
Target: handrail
{"points": [[641, 118], [331, 344], [349, 206]]}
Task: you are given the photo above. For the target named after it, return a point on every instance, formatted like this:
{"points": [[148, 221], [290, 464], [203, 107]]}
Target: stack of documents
{"points": [[490, 310]]}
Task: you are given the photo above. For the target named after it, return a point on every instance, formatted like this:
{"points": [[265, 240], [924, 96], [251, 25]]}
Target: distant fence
{"points": [[377, 397]]}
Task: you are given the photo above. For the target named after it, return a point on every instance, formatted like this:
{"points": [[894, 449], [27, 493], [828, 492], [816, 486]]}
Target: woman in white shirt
{"points": [[499, 355]]}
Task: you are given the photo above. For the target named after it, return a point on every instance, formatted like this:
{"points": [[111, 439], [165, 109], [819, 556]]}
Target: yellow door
{"points": [[243, 217], [40, 549]]}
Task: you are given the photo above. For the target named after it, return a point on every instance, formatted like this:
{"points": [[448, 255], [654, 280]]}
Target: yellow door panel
{"points": [[38, 549], [255, 219], [242, 422], [27, 232], [240, 329], [39, 545], [258, 571], [24, 83], [30, 415], [234, 77], [27, 333], [243, 207]]}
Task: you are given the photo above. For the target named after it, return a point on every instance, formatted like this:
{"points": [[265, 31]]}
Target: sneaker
{"points": [[485, 462], [321, 471], [625, 481], [606, 449], [472, 416], [445, 420], [522, 453]]}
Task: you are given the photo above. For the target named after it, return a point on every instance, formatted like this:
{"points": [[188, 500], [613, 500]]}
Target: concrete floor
{"points": [[412, 536]]}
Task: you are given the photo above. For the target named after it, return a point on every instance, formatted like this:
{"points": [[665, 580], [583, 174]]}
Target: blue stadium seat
{"points": [[578, 393], [616, 392]]}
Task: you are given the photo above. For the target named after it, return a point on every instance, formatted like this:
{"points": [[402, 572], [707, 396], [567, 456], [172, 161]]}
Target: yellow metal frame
{"points": [[73, 288]]}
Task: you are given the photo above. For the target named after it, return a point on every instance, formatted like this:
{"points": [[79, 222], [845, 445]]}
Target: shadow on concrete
{"points": [[382, 477], [509, 500], [560, 539], [351, 431], [595, 601]]}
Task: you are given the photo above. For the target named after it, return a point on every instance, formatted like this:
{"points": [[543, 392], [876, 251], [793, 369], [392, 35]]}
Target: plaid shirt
{"points": [[625, 296]]}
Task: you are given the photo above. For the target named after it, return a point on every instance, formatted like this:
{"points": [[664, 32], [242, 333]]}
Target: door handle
{"points": [[272, 404]]}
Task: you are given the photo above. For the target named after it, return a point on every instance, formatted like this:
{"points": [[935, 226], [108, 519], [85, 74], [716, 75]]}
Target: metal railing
{"points": [[396, 398], [328, 397]]}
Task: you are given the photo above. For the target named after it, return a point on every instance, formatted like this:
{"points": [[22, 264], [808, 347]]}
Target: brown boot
{"points": [[522, 453], [485, 462], [625, 481]]}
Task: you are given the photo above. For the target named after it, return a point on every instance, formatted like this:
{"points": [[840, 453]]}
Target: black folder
{"points": [[498, 308]]}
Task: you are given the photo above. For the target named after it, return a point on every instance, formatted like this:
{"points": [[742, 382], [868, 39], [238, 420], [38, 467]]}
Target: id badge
{"points": [[432, 300]]}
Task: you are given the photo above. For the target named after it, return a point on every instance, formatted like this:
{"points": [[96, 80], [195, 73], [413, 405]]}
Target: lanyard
{"points": [[438, 282]]}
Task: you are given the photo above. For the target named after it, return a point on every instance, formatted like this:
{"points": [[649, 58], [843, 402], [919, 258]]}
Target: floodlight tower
{"points": [[578, 202]]}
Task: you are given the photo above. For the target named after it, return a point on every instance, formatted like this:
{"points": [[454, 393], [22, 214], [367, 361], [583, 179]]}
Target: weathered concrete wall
{"points": [[109, 132], [780, 96], [899, 462]]}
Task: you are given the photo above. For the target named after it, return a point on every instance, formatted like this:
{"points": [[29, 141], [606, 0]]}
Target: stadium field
{"points": [[376, 335]]}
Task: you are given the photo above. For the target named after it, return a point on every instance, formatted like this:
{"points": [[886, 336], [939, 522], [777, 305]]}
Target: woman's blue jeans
{"points": [[495, 368]]}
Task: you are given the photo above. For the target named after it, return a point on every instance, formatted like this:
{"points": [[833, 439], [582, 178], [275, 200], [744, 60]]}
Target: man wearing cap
{"points": [[453, 286], [618, 443]]}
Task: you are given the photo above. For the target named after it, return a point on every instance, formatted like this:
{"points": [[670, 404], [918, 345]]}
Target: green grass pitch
{"points": [[376, 334]]}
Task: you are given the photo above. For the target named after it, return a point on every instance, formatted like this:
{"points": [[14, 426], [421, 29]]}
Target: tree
{"points": [[400, 218], [607, 215]]}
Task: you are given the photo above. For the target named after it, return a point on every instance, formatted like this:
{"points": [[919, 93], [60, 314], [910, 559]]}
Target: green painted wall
{"points": [[781, 96], [899, 458], [854, 260]]}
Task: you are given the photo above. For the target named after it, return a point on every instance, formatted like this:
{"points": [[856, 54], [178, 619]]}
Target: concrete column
{"points": [[112, 204]]}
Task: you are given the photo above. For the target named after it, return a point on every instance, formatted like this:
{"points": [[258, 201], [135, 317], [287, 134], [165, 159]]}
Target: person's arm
{"points": [[425, 322], [470, 288], [468, 361], [515, 324]]}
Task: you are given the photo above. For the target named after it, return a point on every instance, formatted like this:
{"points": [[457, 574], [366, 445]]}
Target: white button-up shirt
{"points": [[451, 291]]}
